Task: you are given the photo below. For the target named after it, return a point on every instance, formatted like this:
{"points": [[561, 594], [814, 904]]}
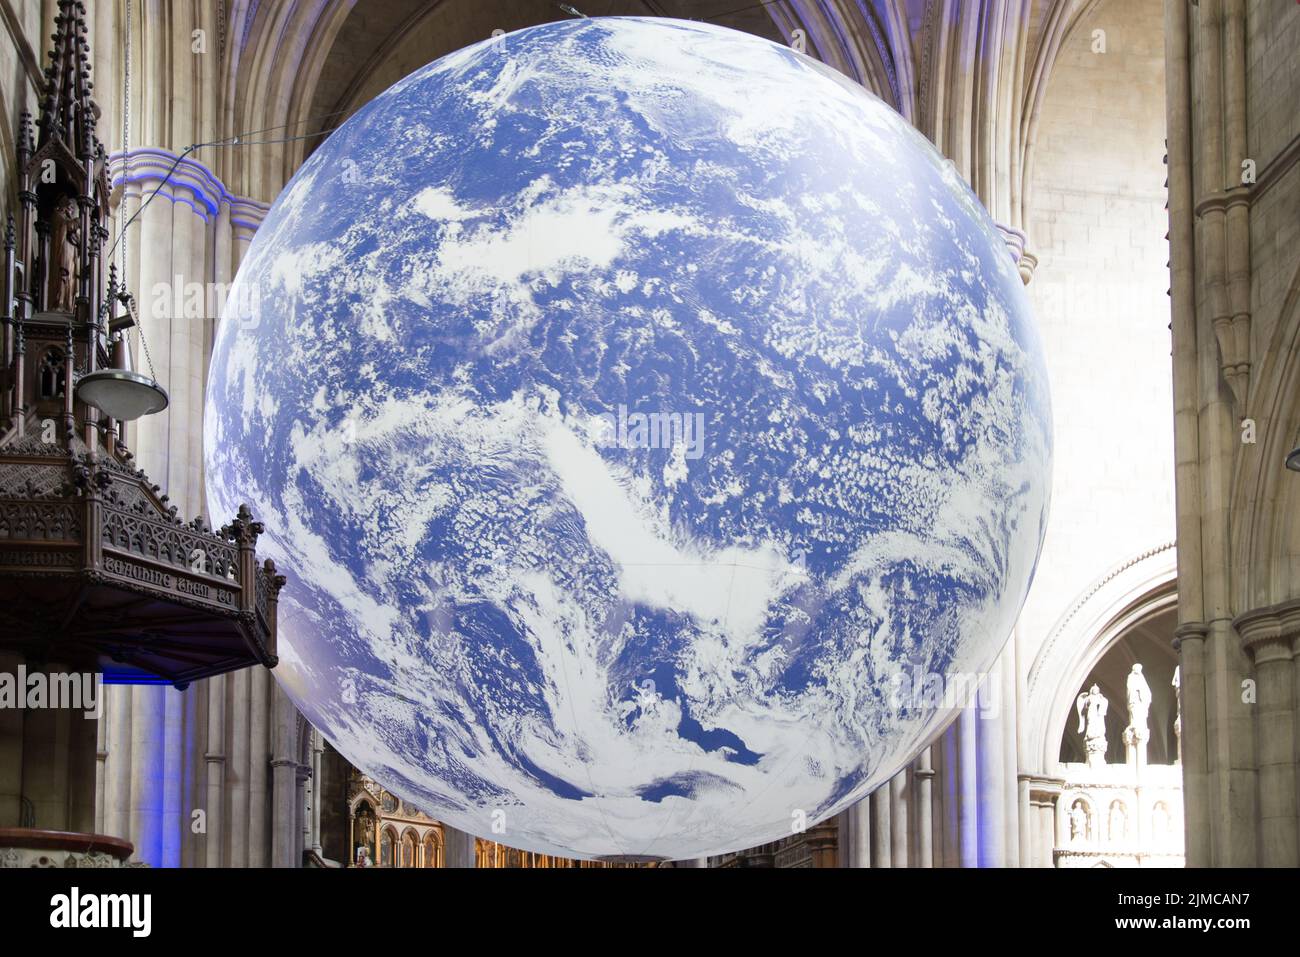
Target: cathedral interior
{"points": [[1141, 162]]}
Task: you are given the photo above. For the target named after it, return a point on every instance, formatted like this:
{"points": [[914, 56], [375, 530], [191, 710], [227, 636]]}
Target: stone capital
{"points": [[1190, 631], [1269, 633], [1042, 789]]}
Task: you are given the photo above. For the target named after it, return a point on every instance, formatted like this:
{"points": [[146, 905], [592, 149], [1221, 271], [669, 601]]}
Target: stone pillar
{"points": [[101, 759], [859, 837], [923, 777], [301, 833], [1027, 818], [285, 826], [1010, 715], [317, 752], [237, 769], [261, 694], [283, 839], [117, 766], [174, 764], [146, 807], [1189, 640], [900, 794], [193, 771], [1267, 635], [214, 757], [991, 767], [1042, 794], [951, 789], [881, 833], [968, 792]]}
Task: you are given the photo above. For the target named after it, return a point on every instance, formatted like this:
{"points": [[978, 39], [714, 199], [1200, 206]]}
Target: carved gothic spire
{"points": [[67, 111]]}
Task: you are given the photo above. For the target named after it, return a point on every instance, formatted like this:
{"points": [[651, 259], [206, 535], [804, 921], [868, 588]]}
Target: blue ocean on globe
{"points": [[635, 406]]}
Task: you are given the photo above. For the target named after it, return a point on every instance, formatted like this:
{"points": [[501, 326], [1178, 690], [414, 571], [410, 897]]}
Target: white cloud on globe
{"points": [[828, 464]]}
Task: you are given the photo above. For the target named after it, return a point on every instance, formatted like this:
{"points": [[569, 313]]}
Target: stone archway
{"points": [[1126, 597]]}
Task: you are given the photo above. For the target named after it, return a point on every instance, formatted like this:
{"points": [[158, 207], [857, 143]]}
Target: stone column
{"points": [[261, 694], [1027, 818], [285, 825], [858, 843], [950, 781], [968, 792], [1189, 641], [923, 776], [302, 836], [237, 768], [1042, 794], [146, 807], [1267, 635], [1010, 715], [215, 758], [900, 794], [174, 765], [881, 831], [283, 840], [117, 766], [316, 797], [101, 759], [990, 770]]}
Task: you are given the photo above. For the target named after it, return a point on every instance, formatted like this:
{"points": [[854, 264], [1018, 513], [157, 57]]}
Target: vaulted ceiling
{"points": [[970, 74]]}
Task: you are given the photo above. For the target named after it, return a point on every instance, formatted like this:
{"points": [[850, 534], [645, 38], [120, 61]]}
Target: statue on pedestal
{"points": [[65, 241], [1078, 822], [1118, 824], [1091, 707], [1139, 703]]}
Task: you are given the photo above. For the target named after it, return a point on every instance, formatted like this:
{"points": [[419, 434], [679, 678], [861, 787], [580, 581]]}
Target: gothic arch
{"points": [[1268, 556], [410, 848], [389, 847], [433, 848], [1091, 822], [1129, 594]]}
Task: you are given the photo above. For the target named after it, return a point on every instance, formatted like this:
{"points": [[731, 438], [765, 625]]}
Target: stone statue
{"points": [[1118, 822], [64, 242], [1139, 702], [1078, 822], [1092, 723]]}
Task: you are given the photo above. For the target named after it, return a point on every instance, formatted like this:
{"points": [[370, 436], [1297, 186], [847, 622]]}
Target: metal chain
{"points": [[126, 133], [126, 179]]}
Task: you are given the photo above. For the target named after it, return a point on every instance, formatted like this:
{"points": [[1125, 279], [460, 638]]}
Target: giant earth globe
{"points": [[650, 423]]}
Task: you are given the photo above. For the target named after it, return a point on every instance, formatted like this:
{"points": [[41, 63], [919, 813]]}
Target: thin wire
{"points": [[229, 141], [752, 6], [126, 128]]}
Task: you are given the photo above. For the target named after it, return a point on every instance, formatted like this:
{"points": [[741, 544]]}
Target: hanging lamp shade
{"points": [[122, 393]]}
